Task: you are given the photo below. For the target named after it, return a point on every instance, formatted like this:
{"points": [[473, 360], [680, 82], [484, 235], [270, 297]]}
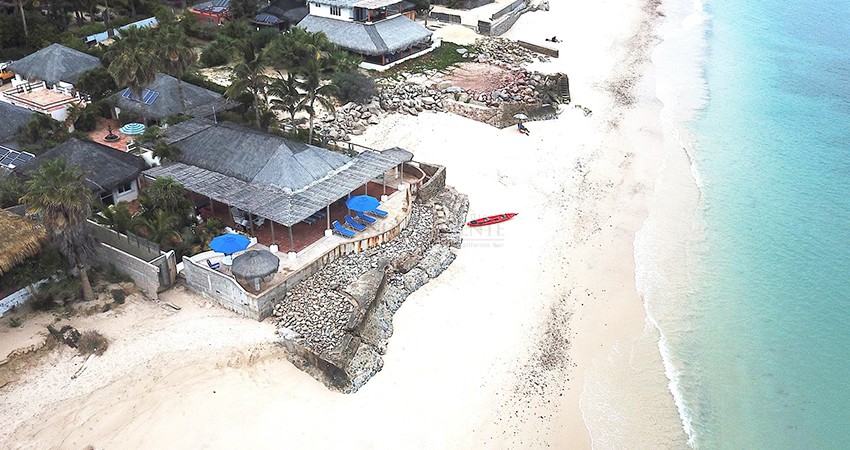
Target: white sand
{"points": [[480, 356]]}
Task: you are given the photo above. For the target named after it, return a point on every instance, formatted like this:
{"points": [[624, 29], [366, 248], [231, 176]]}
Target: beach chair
{"points": [[310, 220], [354, 224], [213, 266], [345, 232], [378, 213], [365, 218]]}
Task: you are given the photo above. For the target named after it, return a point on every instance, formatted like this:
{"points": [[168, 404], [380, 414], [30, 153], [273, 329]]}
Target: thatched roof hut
{"points": [[22, 238]]}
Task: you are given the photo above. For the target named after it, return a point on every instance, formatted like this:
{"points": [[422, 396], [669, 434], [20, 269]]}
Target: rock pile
{"points": [[522, 88], [502, 52], [399, 95], [315, 313]]}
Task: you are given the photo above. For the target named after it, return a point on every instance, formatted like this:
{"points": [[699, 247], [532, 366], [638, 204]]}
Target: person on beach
{"points": [[522, 129]]}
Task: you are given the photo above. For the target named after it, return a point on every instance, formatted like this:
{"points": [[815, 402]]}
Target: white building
{"points": [[383, 32]]}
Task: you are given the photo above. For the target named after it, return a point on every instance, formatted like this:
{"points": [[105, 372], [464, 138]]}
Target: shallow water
{"points": [[747, 281]]}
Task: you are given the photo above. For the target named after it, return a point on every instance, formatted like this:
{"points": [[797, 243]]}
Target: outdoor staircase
{"points": [[564, 89]]}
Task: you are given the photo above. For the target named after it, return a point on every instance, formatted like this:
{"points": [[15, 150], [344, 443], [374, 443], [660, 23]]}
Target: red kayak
{"points": [[491, 220]]}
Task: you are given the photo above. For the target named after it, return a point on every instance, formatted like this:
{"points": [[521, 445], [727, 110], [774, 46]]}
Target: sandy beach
{"points": [[534, 337]]}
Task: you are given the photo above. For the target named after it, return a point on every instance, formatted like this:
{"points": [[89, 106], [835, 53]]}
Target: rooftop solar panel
{"points": [[148, 96], [11, 158]]}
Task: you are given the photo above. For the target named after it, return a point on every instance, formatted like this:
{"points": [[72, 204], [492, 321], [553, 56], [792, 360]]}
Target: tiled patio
{"points": [[303, 234], [102, 131]]}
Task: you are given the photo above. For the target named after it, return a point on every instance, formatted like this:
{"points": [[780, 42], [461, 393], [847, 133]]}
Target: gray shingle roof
{"points": [[199, 101], [104, 166], [266, 175], [387, 36], [250, 155], [12, 118], [54, 64], [289, 10]]}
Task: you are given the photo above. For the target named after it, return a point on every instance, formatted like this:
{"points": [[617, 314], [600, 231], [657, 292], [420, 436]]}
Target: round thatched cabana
{"points": [[22, 238], [254, 265]]}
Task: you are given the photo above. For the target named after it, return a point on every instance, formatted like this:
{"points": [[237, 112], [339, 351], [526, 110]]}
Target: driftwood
{"points": [[81, 369], [172, 305]]}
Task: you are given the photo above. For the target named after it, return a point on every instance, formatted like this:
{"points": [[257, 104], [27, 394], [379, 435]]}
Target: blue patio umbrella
{"points": [[229, 243], [133, 128], [362, 203]]}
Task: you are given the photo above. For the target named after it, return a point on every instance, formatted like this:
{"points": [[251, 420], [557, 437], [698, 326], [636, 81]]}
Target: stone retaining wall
{"points": [[445, 17], [501, 26], [542, 49], [144, 274], [434, 184]]}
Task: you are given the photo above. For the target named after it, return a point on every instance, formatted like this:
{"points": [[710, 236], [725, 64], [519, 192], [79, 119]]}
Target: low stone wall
{"points": [[144, 274], [542, 49], [128, 243], [479, 113], [445, 17], [434, 184], [507, 9], [19, 297], [221, 288], [501, 26]]}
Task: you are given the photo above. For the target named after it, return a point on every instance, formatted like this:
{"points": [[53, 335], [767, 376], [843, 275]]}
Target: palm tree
{"points": [[176, 55], [23, 18], [75, 110], [58, 193], [134, 63], [286, 95], [250, 76], [161, 228], [168, 195], [316, 90]]}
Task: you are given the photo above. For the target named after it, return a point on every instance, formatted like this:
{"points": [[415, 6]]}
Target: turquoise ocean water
{"points": [[758, 342]]}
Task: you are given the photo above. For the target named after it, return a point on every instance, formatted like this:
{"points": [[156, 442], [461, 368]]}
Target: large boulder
{"points": [[436, 260], [414, 279]]}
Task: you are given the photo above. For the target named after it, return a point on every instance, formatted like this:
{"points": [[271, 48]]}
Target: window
{"points": [[124, 188], [335, 11]]}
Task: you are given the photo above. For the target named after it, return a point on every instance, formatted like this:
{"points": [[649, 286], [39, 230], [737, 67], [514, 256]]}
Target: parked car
{"points": [[5, 73]]}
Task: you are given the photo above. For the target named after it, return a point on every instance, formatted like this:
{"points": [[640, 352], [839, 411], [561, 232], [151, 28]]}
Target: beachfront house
{"points": [[111, 174], [162, 100], [380, 31], [282, 185], [44, 81], [213, 12]]}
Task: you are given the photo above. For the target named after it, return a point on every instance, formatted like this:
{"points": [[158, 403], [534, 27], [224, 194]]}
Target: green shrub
{"points": [[92, 342], [353, 87], [15, 322], [112, 275], [56, 293], [118, 296], [97, 83], [198, 80], [88, 119], [11, 190], [215, 55]]}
